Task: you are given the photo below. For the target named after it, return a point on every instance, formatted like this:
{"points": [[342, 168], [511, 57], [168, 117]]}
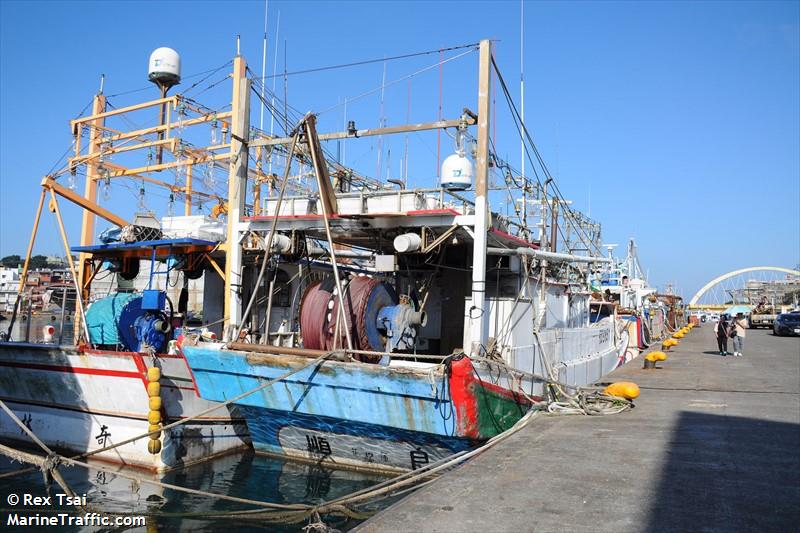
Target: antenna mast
{"points": [[522, 109], [264, 64]]}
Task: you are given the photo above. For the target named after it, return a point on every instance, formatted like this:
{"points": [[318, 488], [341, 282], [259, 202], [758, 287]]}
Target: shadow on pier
{"points": [[726, 473]]}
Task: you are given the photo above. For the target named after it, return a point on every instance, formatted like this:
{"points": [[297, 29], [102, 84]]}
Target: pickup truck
{"points": [[763, 315], [762, 319]]}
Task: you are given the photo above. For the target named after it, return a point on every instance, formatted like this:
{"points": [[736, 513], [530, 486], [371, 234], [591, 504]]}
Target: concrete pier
{"points": [[713, 444]]}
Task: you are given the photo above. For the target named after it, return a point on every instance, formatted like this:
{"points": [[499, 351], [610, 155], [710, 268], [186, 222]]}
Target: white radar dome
{"points": [[164, 67], [457, 172]]}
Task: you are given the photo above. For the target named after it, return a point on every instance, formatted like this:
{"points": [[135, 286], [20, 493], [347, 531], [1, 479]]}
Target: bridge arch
{"points": [[699, 294]]}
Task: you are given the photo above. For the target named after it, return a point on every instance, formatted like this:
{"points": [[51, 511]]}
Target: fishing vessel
{"points": [[350, 320], [121, 377], [440, 321], [649, 315]]}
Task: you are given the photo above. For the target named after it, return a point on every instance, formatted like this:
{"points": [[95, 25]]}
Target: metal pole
{"points": [[61, 319], [30, 318], [269, 308], [478, 316], [270, 237], [162, 112]]}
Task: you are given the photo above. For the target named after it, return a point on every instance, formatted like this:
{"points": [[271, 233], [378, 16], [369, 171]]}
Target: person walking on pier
{"points": [[738, 332], [723, 331]]}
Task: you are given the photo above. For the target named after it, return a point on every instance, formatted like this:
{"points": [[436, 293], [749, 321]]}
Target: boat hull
{"points": [[83, 400], [356, 415]]}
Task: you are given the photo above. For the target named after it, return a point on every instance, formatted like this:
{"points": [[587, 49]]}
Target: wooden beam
{"points": [[81, 158], [123, 171], [237, 191], [187, 206], [51, 185], [24, 277], [164, 127], [160, 183], [90, 191], [326, 194], [105, 114], [440, 124], [479, 313], [80, 315], [215, 265]]}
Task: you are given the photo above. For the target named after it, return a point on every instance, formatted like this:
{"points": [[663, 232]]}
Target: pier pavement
{"points": [[713, 444]]}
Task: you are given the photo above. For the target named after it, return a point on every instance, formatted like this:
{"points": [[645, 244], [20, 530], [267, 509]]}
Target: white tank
{"points": [[164, 67], [457, 172], [407, 242], [280, 243]]}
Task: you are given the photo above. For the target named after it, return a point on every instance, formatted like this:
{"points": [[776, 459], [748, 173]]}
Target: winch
{"points": [[136, 322], [378, 319]]}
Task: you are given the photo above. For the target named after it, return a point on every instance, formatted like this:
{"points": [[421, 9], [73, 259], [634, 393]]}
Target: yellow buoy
{"points": [[154, 446], [623, 389], [155, 403], [154, 427], [154, 417], [154, 389], [153, 374], [656, 356]]}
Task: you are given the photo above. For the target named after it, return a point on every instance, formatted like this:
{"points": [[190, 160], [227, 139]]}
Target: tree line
{"points": [[37, 261]]}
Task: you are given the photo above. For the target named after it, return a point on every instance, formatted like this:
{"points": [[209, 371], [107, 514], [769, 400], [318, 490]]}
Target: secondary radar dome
{"points": [[164, 68], [457, 172]]}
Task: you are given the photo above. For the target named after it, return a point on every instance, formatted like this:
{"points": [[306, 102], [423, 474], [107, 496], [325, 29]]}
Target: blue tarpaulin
{"points": [[736, 309], [102, 318]]}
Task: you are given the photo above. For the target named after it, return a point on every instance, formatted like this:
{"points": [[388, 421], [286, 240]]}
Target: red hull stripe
{"points": [[75, 370], [88, 351]]}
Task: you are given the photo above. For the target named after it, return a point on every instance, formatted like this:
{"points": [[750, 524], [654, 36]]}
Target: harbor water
{"points": [[244, 475]]}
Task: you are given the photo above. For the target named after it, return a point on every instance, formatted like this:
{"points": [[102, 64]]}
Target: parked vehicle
{"points": [[787, 324], [763, 315]]}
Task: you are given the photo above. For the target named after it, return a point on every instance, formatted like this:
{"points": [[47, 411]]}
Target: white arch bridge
{"points": [[747, 285]]}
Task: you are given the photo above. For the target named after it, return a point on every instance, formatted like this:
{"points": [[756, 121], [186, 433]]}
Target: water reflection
{"points": [[245, 475]]}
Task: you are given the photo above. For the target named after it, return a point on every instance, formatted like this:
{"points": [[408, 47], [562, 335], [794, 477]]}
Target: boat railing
{"points": [[34, 309]]}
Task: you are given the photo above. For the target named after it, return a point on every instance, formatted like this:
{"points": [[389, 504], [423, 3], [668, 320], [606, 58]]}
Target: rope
{"points": [[369, 61]]}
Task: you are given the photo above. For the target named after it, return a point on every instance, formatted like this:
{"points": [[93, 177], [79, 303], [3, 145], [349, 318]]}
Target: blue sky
{"points": [[677, 123]]}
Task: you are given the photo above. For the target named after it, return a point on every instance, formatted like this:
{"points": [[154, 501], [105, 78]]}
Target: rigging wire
{"points": [[398, 80], [377, 60], [71, 146], [185, 78], [523, 132]]}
